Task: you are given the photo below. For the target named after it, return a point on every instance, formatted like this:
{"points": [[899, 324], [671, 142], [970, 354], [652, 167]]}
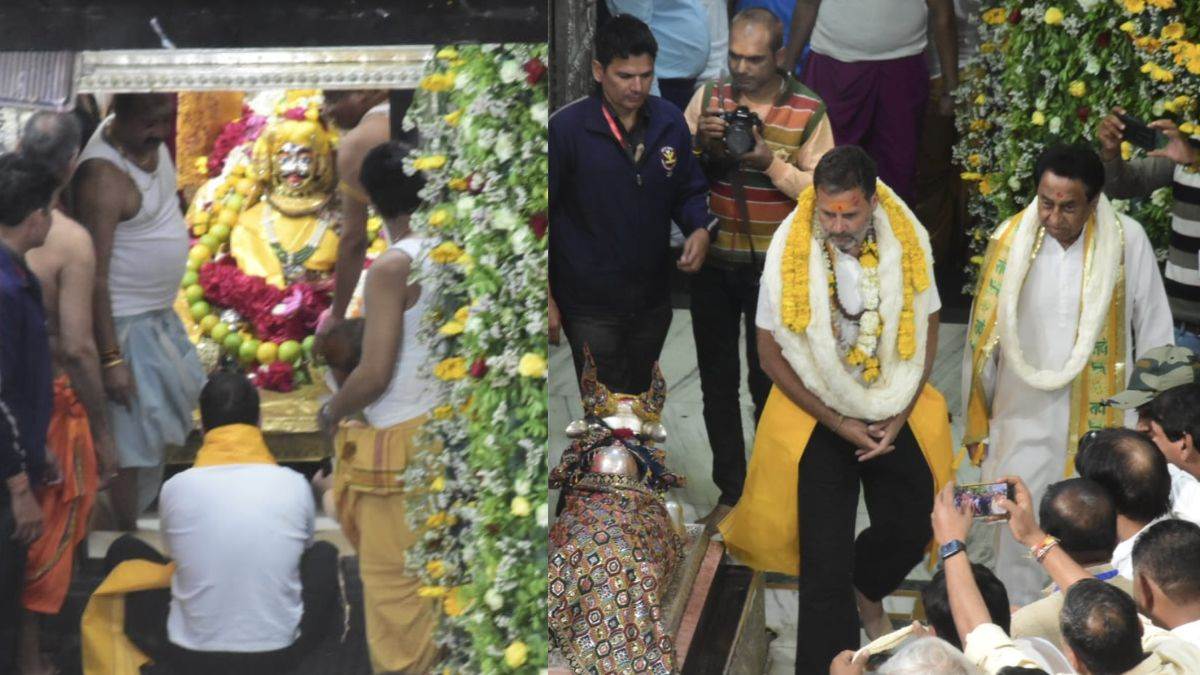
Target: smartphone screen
{"points": [[981, 499]]}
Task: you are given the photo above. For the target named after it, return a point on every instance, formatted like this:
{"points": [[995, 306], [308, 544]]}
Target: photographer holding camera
{"points": [[1173, 164], [759, 135]]}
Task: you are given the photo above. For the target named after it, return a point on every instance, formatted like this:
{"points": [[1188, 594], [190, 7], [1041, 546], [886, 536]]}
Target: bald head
{"points": [[1131, 469], [1082, 515], [52, 140], [758, 18]]}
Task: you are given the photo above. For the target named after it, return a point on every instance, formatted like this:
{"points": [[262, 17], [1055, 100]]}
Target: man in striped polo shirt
{"points": [[1175, 166], [795, 133]]}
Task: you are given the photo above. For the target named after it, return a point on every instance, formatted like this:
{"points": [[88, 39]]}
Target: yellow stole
{"points": [[1102, 376], [763, 530], [106, 649]]}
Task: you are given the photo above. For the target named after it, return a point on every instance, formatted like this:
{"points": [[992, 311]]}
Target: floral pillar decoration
{"points": [[480, 501], [1050, 71]]}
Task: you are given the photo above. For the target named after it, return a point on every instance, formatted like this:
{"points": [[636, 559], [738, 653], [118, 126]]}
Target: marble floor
{"points": [[688, 449]]}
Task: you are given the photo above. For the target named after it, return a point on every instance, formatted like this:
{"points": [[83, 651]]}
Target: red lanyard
{"points": [[612, 124]]}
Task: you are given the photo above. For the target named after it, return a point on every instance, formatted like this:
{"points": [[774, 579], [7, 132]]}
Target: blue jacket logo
{"points": [[669, 159]]}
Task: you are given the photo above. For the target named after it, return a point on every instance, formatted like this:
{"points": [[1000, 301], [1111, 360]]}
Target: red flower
{"points": [[279, 376], [623, 432], [534, 69], [1103, 39], [539, 223], [1083, 113], [479, 368], [1015, 17], [234, 134], [296, 114]]}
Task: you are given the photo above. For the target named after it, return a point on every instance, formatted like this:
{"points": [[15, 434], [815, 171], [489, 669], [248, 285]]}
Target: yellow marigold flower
{"points": [[516, 654], [453, 118], [437, 82], [1126, 150], [439, 217], [439, 519], [446, 252], [520, 507], [1172, 31], [1182, 102], [976, 260], [995, 16], [459, 184], [1193, 65], [987, 47], [430, 163], [1054, 16], [436, 569], [985, 186], [868, 260], [1037, 118], [1128, 27], [974, 159], [980, 99], [453, 368], [1077, 88], [438, 483], [980, 125], [443, 412], [1147, 43], [462, 313], [1134, 6], [453, 603], [532, 365], [971, 175], [447, 53], [451, 328], [201, 165], [1187, 128], [466, 262], [1163, 4], [432, 591]]}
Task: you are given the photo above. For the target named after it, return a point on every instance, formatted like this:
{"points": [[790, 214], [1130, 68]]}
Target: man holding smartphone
{"points": [[1174, 165]]}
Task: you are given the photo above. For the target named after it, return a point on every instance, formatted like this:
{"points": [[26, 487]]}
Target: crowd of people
{"points": [[807, 223], [98, 377]]}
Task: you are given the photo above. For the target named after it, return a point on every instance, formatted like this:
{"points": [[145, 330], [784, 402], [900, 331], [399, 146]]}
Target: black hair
{"points": [[844, 168], [1168, 552], [1100, 624], [1081, 514], [1177, 411], [1131, 469], [51, 139], [1076, 162], [391, 189], [228, 398], [126, 105], [1020, 670], [349, 331], [764, 17], [936, 601], [26, 186], [623, 37]]}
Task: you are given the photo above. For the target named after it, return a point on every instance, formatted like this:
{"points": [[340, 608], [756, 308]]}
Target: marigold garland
{"points": [[795, 309]]}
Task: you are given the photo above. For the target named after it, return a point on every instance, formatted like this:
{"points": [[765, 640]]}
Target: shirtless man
{"points": [[124, 192], [366, 114], [79, 436]]}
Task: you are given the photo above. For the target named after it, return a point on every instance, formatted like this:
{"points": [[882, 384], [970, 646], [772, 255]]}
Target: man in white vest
{"points": [[1068, 286]]}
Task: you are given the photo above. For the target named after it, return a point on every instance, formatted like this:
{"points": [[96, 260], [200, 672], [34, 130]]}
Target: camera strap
{"points": [[737, 179]]}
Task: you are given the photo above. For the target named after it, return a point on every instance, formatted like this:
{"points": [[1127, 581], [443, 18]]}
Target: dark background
{"points": [[70, 25]]}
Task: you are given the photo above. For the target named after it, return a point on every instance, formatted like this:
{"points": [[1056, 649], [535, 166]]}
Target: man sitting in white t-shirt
{"points": [[251, 591]]}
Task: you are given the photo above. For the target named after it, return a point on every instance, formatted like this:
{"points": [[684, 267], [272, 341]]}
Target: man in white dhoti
{"points": [[1067, 288]]}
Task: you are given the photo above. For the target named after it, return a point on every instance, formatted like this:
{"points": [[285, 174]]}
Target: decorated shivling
{"points": [[265, 228]]}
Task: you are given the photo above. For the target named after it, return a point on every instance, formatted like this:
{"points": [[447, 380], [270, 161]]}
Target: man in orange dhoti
{"points": [[78, 434]]}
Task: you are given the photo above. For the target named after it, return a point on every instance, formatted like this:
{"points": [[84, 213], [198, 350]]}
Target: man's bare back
{"points": [[67, 247]]}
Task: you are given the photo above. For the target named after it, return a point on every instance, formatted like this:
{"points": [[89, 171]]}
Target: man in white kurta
{"points": [[1028, 431]]}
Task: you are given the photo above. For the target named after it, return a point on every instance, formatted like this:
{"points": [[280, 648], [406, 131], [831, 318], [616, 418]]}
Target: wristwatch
{"points": [[951, 547]]}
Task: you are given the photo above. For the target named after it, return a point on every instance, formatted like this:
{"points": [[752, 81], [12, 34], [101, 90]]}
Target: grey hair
{"points": [[928, 656], [51, 139]]}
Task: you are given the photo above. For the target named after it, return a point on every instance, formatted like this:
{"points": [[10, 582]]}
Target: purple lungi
{"points": [[878, 105]]}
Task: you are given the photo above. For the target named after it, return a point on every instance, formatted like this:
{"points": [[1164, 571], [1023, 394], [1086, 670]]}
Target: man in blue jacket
{"points": [[621, 169]]}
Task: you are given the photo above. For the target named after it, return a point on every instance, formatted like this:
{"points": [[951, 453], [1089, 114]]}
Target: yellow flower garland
{"points": [[795, 310]]}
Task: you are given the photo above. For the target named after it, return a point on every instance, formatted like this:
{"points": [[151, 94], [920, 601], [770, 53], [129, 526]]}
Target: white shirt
{"points": [[870, 30], [1188, 632], [1028, 427], [1122, 558], [1185, 494], [718, 50], [236, 533]]}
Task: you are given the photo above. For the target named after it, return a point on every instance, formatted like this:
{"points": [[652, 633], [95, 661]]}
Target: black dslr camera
{"points": [[739, 130]]}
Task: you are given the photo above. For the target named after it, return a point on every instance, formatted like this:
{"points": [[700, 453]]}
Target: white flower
{"points": [[1158, 108], [867, 343], [1087, 5], [504, 219], [543, 515], [869, 323], [539, 112], [493, 599], [510, 72], [1055, 124], [465, 204], [503, 147], [1093, 65], [1014, 182], [521, 487]]}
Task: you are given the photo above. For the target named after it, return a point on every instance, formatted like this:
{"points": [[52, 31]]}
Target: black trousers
{"points": [[898, 488], [12, 581], [678, 90], [723, 300], [146, 617], [625, 346]]}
